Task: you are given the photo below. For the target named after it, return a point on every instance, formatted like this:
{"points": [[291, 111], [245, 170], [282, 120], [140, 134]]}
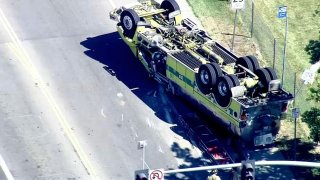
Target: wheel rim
{"points": [[222, 88], [127, 22], [204, 76]]}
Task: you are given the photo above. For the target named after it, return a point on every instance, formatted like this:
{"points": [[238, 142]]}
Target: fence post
{"points": [[252, 15], [284, 49], [234, 29], [274, 52], [295, 118]]}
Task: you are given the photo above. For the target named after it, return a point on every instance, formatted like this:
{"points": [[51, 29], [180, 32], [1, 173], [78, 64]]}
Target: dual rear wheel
{"points": [[249, 62], [265, 75], [207, 77], [210, 79]]}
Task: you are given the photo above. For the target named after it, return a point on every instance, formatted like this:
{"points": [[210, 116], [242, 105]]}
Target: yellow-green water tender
{"points": [[246, 99]]}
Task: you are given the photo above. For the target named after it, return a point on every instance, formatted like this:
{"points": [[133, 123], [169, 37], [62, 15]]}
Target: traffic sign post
{"points": [[236, 5], [282, 13], [295, 113], [247, 170], [142, 145], [141, 174], [147, 174]]}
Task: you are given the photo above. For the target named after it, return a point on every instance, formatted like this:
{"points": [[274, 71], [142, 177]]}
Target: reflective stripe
{"points": [[180, 76]]}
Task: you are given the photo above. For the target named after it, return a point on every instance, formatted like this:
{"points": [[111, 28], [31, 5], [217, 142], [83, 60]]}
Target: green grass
{"points": [[304, 25]]}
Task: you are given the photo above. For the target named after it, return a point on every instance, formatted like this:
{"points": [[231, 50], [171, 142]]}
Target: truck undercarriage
{"points": [[247, 98]]}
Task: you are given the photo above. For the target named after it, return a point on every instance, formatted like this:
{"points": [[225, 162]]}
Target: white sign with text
{"points": [[237, 4]]}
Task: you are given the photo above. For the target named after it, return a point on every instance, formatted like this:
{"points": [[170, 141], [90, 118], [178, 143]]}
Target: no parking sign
{"points": [[156, 174]]}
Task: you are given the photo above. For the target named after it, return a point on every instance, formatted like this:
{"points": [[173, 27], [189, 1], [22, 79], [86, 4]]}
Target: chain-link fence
{"points": [[217, 18], [272, 50]]}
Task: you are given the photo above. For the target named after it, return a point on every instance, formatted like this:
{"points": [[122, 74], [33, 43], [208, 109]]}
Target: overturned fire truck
{"points": [[248, 100]]}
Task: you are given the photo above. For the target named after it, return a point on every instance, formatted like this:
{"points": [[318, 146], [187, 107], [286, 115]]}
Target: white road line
{"points": [[112, 4], [121, 117], [26, 61], [102, 113], [5, 169]]}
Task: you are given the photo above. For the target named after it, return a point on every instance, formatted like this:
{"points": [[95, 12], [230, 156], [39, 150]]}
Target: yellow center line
{"points": [[25, 60]]}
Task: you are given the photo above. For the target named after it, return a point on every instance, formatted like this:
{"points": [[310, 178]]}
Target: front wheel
{"points": [[170, 6], [129, 20], [205, 78]]}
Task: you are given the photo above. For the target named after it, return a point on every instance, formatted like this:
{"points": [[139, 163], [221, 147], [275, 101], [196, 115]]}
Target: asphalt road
{"points": [[63, 116]]}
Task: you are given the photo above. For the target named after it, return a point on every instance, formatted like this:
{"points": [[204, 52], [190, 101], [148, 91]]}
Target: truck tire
{"points": [[235, 80], [129, 20], [170, 6], [218, 72], [272, 73], [223, 90], [264, 78], [206, 78], [254, 62], [245, 62]]}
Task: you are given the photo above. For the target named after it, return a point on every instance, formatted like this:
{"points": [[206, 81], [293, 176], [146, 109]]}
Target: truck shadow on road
{"points": [[110, 50]]}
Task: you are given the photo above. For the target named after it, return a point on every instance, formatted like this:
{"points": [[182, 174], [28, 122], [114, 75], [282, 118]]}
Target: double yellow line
{"points": [[25, 60]]}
